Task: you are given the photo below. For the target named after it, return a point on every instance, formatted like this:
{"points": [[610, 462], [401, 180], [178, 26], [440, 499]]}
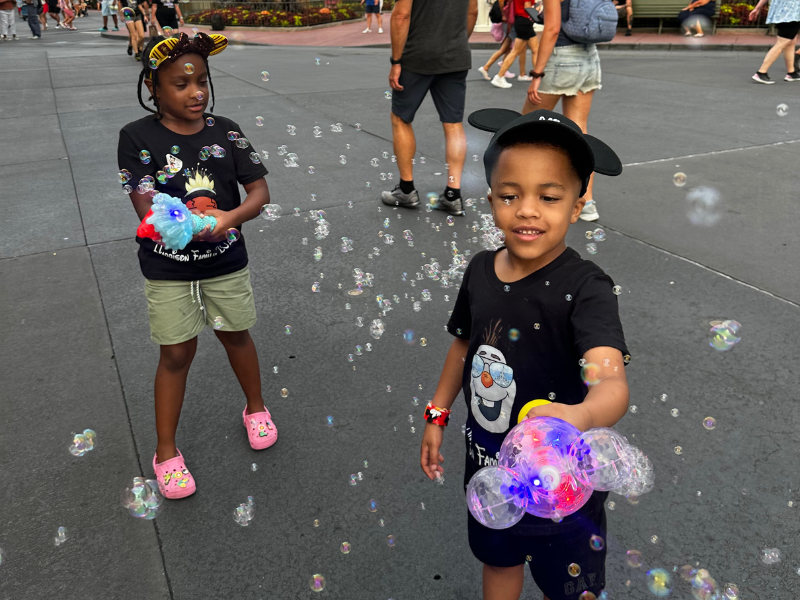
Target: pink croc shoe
{"points": [[174, 479], [260, 429]]}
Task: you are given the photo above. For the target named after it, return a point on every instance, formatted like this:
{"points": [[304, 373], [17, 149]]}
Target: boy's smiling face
{"points": [[534, 199], [178, 90]]}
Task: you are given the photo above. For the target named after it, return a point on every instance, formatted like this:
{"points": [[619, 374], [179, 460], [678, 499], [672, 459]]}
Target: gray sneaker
{"points": [[453, 207], [589, 212], [397, 198]]}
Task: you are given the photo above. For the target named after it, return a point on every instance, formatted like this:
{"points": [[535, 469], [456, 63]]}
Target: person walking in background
{"points": [[526, 36], [29, 13], [430, 52], [693, 16], [785, 14], [69, 14], [373, 7], [8, 23], [165, 13], [54, 10], [108, 9], [627, 6]]}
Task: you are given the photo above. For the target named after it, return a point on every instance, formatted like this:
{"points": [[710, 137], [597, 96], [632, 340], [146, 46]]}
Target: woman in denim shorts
{"points": [[571, 74]]}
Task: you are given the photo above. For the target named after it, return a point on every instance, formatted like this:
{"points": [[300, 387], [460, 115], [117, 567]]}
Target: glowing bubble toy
{"points": [[549, 469], [171, 223]]}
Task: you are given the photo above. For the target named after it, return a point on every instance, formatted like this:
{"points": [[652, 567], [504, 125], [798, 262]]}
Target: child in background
{"points": [[525, 316], [182, 151]]}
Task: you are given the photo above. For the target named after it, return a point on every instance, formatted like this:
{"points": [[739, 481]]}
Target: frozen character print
{"points": [[492, 385]]}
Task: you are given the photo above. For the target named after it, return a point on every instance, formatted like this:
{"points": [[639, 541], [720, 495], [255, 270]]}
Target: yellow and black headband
{"points": [[173, 47]]}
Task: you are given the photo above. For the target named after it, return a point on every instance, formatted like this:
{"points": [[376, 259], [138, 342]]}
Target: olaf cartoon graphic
{"points": [[492, 385]]}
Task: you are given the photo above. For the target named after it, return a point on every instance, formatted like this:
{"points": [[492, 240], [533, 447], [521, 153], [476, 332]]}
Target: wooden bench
{"points": [[665, 10]]}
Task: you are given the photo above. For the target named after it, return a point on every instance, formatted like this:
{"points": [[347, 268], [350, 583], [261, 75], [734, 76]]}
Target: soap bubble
{"points": [[590, 374], [260, 121], [124, 176], [617, 290], [725, 335], [376, 328], [284, 393], [493, 238], [82, 442], [291, 129], [61, 536], [782, 110], [423, 342], [513, 334], [600, 458], [591, 248], [254, 467], [596, 543], [372, 506], [199, 95], [770, 556], [232, 235], [709, 423], [264, 75], [167, 31], [598, 235], [358, 126], [188, 68], [390, 541], [271, 212], [679, 179], [675, 412], [658, 581], [730, 591], [408, 336], [315, 287], [243, 513], [329, 421], [144, 156], [388, 95], [153, 64], [704, 587], [574, 570], [388, 239], [703, 206], [317, 582], [218, 323], [634, 558], [142, 499]]}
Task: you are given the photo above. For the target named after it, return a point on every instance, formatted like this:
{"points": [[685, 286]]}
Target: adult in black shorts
{"points": [[430, 52], [54, 10], [165, 13], [785, 15], [627, 6]]}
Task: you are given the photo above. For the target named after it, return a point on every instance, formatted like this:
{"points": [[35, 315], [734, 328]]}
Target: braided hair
{"points": [[201, 44]]}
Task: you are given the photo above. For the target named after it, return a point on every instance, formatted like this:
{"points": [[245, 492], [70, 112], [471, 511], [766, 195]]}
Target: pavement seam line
{"points": [[711, 153], [704, 267], [108, 329]]}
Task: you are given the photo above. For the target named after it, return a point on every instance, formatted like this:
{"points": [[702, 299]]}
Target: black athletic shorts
{"points": [[549, 556], [788, 31], [523, 27], [53, 9], [373, 8], [448, 91]]}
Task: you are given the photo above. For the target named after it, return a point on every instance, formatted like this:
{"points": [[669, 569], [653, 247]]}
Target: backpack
{"points": [[590, 21], [495, 13]]}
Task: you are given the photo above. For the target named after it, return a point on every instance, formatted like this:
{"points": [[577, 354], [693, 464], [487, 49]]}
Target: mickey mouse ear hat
{"points": [[589, 154]]}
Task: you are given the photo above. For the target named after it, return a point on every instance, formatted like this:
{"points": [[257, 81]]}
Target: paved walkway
{"points": [[350, 35]]}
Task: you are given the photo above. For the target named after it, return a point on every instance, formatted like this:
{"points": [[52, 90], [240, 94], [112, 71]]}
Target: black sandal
{"points": [[130, 50]]}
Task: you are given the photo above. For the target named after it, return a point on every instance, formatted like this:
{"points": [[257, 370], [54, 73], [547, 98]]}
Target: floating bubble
{"points": [[82, 442], [254, 467], [390, 541], [153, 64], [264, 75], [329, 421], [568, 297], [315, 287], [596, 543], [232, 235], [574, 570], [782, 110], [616, 290], [675, 412], [658, 581], [611, 505], [730, 591], [703, 206], [513, 334], [725, 335], [679, 179], [61, 536], [167, 31], [770, 556], [260, 121], [591, 248], [678, 450], [601, 458], [358, 126], [142, 498], [218, 323], [709, 423], [634, 558], [408, 336], [590, 374], [199, 95], [284, 393], [317, 582], [291, 129], [144, 156], [270, 212], [372, 506], [124, 176], [210, 121], [376, 328], [188, 68]]}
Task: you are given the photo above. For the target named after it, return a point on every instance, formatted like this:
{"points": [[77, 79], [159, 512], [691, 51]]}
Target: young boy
{"points": [[525, 316], [183, 151]]}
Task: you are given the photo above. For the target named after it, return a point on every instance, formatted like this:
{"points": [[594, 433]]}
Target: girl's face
{"points": [[182, 88], [535, 199]]}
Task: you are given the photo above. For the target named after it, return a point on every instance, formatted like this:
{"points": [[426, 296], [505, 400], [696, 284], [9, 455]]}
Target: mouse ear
{"points": [[492, 119]]}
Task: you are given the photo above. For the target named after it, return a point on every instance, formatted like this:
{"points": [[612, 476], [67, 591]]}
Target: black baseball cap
{"points": [[588, 154]]}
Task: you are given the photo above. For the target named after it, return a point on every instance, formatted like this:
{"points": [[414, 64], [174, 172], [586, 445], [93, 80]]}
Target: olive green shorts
{"points": [[180, 310]]}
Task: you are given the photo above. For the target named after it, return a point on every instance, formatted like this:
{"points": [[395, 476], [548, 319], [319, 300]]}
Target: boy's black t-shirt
{"points": [[200, 184], [525, 341]]}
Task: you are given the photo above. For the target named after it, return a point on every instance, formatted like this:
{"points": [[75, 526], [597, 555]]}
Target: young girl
{"points": [[185, 152]]}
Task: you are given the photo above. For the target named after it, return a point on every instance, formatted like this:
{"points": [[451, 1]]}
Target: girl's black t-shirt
{"points": [[525, 341], [208, 168]]}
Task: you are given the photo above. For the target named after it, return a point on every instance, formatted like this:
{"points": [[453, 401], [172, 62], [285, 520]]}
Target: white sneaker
{"points": [[500, 82], [524, 78], [485, 73], [589, 211], [380, 29], [367, 30]]}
